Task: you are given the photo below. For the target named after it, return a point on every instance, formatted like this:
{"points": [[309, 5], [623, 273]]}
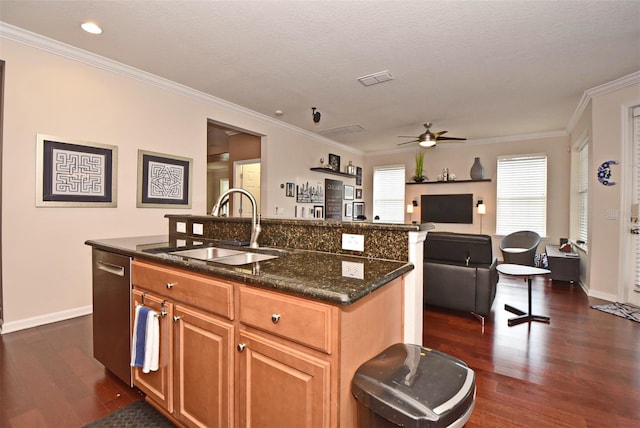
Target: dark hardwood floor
{"points": [[582, 370], [49, 378]]}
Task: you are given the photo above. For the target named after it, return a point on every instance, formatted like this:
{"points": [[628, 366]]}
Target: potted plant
{"points": [[418, 173]]}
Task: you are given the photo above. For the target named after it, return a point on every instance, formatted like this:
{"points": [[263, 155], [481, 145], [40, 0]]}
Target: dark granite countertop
{"points": [[311, 274]]}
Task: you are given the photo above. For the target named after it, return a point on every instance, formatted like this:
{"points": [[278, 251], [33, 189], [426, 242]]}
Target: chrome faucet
{"points": [[255, 217]]}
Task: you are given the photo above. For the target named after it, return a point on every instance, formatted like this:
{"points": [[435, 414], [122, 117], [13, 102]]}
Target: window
{"points": [[388, 193], [521, 194], [583, 191]]}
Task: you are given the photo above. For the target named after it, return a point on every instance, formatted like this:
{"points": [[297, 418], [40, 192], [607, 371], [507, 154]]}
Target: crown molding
{"points": [[85, 57], [605, 88]]}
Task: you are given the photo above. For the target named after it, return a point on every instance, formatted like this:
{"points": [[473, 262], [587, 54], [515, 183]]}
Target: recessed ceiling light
{"points": [[91, 27]]}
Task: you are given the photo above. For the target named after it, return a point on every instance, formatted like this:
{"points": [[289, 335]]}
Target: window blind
{"points": [[388, 193], [583, 192], [521, 199]]}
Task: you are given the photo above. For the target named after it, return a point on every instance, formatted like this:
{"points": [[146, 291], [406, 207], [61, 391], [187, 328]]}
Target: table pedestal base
{"points": [[524, 317]]}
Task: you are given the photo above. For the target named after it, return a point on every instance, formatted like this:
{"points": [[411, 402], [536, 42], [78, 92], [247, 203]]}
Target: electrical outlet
{"points": [[198, 229], [181, 227], [352, 242], [353, 270]]}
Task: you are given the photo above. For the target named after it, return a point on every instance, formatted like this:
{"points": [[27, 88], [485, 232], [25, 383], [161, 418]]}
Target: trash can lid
{"points": [[415, 386]]}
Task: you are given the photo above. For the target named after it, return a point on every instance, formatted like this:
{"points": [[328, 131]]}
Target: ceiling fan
{"points": [[428, 138]]}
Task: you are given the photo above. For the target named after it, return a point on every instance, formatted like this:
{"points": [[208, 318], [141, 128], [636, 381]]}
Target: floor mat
{"points": [[135, 415], [621, 310]]}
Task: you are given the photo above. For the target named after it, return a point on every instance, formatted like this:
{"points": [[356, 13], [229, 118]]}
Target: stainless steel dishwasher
{"points": [[111, 312]]}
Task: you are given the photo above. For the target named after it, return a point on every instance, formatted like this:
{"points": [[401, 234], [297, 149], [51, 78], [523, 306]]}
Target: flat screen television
{"points": [[456, 208]]}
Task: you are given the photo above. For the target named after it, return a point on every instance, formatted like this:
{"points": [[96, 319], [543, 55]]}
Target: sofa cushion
{"points": [[462, 248], [450, 286]]}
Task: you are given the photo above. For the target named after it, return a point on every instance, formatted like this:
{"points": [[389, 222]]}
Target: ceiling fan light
{"points": [[427, 143]]}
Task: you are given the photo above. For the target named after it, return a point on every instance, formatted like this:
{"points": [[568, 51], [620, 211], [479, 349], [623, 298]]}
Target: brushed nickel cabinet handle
{"points": [[275, 318], [241, 347], [170, 285]]}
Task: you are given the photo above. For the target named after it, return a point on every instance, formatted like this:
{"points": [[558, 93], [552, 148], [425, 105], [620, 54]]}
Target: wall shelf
{"points": [[330, 171], [450, 181]]}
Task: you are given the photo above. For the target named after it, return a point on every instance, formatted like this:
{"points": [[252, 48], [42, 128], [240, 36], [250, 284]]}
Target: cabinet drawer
{"points": [[302, 321], [210, 294]]}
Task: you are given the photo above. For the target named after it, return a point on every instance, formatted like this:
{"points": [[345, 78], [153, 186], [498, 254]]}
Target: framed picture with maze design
{"points": [[72, 173], [164, 181]]}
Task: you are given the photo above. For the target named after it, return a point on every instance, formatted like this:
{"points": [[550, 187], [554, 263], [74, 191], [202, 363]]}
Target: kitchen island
{"points": [[271, 343]]}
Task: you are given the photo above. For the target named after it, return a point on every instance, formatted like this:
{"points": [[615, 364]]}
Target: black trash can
{"points": [[411, 386]]}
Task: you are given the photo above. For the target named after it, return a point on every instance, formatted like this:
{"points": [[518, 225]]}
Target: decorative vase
{"points": [[477, 170], [351, 169]]}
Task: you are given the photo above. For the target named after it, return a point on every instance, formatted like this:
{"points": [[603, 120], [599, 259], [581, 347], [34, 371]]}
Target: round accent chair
{"points": [[520, 247]]}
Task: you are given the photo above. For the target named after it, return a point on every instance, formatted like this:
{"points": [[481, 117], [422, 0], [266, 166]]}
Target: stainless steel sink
{"points": [[206, 253], [223, 255], [244, 258]]}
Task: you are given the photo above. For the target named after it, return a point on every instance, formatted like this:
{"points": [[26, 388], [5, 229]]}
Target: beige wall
{"points": [[459, 159], [46, 266]]}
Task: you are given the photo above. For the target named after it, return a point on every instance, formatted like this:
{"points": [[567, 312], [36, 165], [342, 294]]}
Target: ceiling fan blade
{"points": [[438, 134], [407, 136], [407, 142], [451, 138]]}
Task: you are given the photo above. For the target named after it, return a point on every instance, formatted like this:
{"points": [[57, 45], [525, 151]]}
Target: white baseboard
{"points": [[603, 296], [10, 327]]}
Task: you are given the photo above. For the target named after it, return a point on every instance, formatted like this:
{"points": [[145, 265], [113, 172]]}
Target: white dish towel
{"points": [[145, 347]]}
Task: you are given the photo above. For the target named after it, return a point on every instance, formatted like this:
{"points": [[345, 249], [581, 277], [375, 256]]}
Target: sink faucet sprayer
{"points": [[255, 217]]}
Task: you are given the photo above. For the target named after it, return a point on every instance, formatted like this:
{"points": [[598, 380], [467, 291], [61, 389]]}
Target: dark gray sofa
{"points": [[460, 272]]}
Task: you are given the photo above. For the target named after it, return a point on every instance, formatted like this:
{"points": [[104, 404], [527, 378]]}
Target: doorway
{"points": [[230, 149], [246, 176]]}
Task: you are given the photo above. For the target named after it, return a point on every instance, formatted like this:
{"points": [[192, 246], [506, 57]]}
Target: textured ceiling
{"points": [[479, 69]]}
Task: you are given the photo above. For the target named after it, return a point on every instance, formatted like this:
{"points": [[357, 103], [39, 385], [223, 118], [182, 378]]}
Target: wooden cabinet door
{"points": [[203, 369], [157, 385], [280, 386]]}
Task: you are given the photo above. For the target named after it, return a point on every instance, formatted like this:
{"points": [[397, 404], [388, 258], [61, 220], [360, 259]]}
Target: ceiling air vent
{"points": [[375, 78], [342, 130]]}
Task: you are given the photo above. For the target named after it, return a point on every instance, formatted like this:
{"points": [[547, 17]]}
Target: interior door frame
{"points": [[2, 68], [626, 264]]}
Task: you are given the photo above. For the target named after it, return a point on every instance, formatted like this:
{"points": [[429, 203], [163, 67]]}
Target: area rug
{"points": [[620, 309], [135, 415]]}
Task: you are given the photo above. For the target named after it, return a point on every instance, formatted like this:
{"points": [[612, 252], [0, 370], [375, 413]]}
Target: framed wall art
{"points": [[306, 193], [318, 211], [334, 162], [164, 181], [348, 210], [348, 192], [358, 211], [71, 173], [358, 193]]}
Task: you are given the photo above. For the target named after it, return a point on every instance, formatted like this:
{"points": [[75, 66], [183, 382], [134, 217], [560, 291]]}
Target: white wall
{"points": [[459, 159], [46, 266]]}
